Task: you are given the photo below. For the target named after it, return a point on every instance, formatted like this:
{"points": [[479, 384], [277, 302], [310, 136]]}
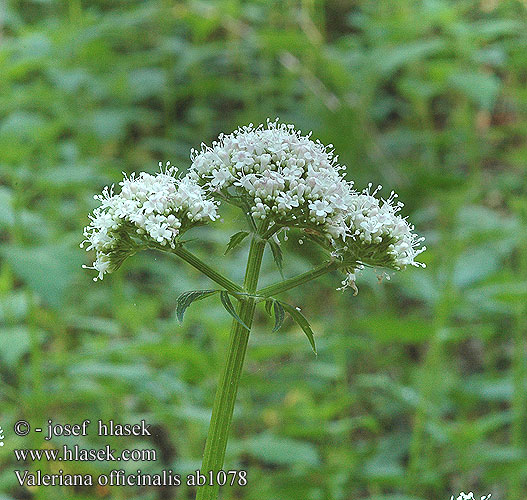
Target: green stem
{"points": [[228, 385], [272, 230], [285, 285], [214, 275]]}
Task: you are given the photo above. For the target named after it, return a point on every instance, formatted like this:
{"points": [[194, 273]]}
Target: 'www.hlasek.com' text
{"points": [[78, 454]]}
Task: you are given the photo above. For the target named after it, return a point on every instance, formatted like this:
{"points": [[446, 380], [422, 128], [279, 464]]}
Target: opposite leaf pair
{"points": [[272, 307]]}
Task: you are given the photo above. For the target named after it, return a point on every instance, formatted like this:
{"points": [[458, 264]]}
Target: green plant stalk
{"points": [[214, 275], [283, 286], [228, 385]]}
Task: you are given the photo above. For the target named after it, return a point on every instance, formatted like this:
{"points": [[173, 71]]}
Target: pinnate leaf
{"points": [[277, 256], [279, 315], [269, 306]]}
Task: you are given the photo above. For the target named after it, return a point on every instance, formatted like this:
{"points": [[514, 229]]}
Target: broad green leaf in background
{"points": [[392, 329], [391, 59], [281, 450], [7, 216], [481, 88], [15, 342], [48, 270]]}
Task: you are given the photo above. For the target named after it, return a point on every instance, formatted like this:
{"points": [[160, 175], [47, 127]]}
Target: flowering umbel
{"points": [[280, 178]]}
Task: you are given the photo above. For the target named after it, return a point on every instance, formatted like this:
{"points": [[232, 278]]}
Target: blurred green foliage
{"points": [[419, 389]]}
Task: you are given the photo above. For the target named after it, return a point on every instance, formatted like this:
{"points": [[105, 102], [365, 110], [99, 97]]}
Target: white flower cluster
{"points": [[290, 180], [280, 178], [469, 496], [149, 210]]}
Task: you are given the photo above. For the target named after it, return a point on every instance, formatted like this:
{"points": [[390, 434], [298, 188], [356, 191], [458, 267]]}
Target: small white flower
{"points": [[219, 178], [286, 201], [320, 208]]}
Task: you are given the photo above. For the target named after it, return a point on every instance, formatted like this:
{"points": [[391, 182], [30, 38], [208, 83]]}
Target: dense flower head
{"points": [[377, 234], [279, 173], [280, 176], [150, 210]]}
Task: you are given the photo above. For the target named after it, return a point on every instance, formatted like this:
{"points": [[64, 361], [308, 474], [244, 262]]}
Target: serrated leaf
{"points": [[186, 298], [277, 255], [279, 315], [303, 323], [226, 301], [235, 240]]}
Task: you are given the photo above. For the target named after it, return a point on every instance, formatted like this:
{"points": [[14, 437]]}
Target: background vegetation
{"points": [[419, 389]]}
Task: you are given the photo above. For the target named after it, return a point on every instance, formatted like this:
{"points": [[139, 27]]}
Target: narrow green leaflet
{"points": [[235, 240], [277, 255], [269, 306], [272, 306], [226, 301], [303, 323], [186, 298], [279, 315]]}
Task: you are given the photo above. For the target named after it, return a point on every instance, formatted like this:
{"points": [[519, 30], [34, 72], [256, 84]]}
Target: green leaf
{"points": [[481, 88], [16, 342], [186, 298], [281, 450], [386, 60], [279, 315], [226, 301], [407, 329], [7, 215], [277, 255], [272, 306], [235, 240], [303, 323]]}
